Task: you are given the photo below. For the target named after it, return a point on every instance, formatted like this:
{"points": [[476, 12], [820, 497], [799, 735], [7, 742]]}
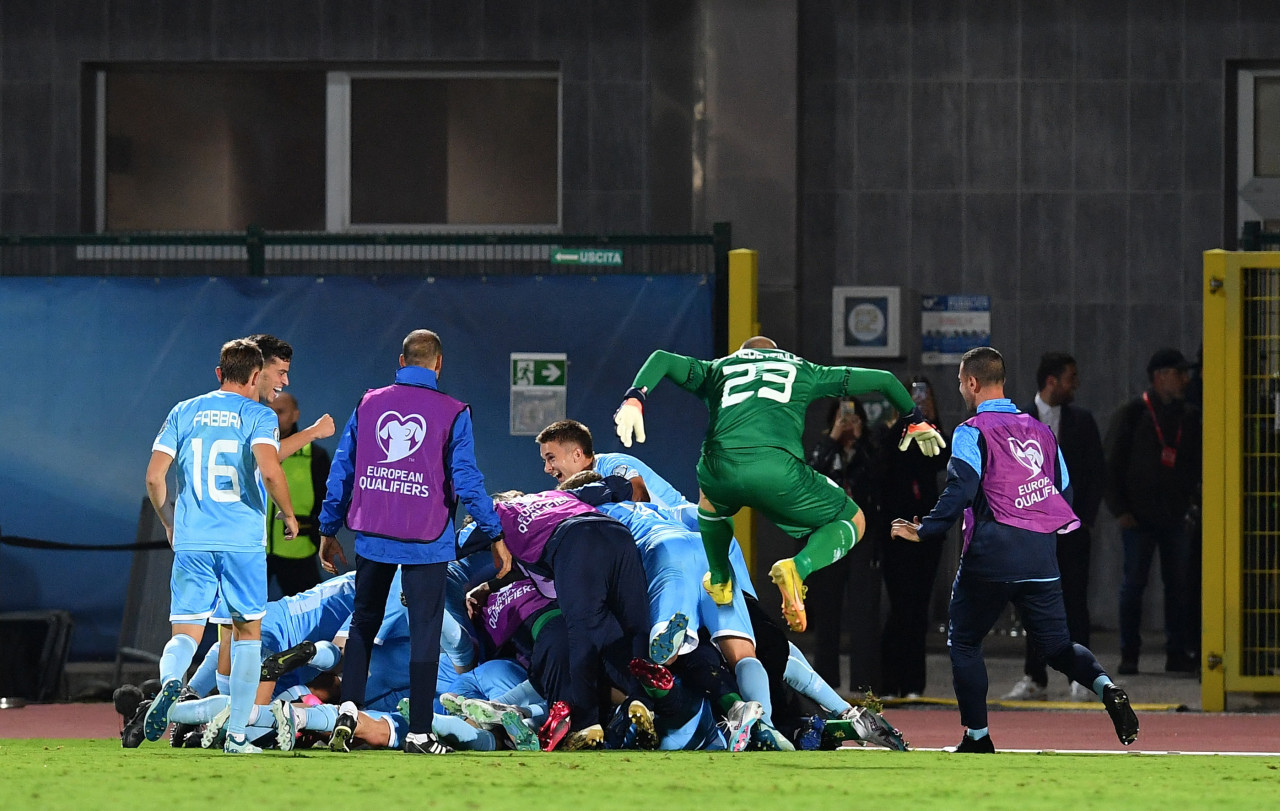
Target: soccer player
{"points": [[1008, 477], [752, 457], [222, 441]]}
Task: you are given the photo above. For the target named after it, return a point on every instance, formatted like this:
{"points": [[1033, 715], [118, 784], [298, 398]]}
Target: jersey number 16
{"points": [[216, 449]]}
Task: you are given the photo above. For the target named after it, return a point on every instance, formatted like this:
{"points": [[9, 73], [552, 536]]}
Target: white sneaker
{"points": [[1081, 693], [740, 722], [1027, 690]]}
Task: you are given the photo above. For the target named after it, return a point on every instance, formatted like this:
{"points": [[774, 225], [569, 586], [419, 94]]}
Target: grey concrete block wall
{"points": [[1064, 157], [600, 47]]}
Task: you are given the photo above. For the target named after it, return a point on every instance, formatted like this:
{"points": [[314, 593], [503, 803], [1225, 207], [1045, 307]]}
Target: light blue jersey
{"points": [[628, 467], [220, 505]]}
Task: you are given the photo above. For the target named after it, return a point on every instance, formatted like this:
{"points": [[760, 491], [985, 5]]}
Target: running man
{"points": [[221, 441], [751, 457]]}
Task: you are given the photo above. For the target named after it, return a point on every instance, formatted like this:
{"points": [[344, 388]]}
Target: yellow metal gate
{"points": [[1241, 504]]}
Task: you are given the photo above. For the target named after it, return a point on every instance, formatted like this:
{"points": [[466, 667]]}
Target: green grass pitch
{"points": [[90, 774]]}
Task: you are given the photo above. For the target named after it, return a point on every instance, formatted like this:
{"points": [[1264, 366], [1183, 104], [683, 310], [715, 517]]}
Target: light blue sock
{"points": [[246, 667], [806, 681], [177, 656], [197, 712], [224, 683], [461, 735], [753, 685], [976, 734], [294, 693], [1100, 683], [327, 656], [321, 717], [523, 695], [202, 681]]}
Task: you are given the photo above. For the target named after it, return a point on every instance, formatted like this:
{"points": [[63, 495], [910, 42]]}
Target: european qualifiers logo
{"points": [[1031, 456], [399, 435]]}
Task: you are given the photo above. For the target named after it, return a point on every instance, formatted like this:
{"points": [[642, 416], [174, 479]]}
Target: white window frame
{"points": [[1258, 198], [338, 154]]}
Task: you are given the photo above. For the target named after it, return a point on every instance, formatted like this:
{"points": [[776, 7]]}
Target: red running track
{"points": [[925, 728]]}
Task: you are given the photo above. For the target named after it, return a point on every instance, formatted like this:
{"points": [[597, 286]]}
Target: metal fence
{"points": [[255, 252], [1241, 475]]}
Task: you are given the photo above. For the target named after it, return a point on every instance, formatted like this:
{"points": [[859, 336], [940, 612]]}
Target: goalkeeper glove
{"points": [[925, 435], [629, 418]]}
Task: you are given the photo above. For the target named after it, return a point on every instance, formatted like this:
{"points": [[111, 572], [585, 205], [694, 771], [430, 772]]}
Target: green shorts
{"points": [[781, 487]]}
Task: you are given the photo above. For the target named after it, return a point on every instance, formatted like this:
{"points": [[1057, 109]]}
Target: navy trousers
{"points": [[423, 585], [977, 604], [601, 588]]}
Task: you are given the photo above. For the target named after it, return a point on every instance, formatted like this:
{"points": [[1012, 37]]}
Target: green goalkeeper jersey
{"points": [[757, 398]]}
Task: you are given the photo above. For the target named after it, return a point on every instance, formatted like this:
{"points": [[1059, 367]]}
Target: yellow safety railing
{"points": [[744, 322], [1241, 489]]}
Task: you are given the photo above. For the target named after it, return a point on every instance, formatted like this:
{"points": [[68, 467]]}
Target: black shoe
{"points": [[1128, 666], [976, 746], [427, 744], [1181, 663], [344, 729], [126, 698], [133, 734], [278, 664], [1117, 704]]}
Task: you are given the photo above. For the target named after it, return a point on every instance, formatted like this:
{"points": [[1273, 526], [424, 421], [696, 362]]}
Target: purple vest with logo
{"points": [[1018, 473], [529, 521], [401, 487], [509, 607]]}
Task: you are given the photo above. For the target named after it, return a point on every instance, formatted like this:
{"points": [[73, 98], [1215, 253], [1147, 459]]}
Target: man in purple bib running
{"points": [[1007, 477]]}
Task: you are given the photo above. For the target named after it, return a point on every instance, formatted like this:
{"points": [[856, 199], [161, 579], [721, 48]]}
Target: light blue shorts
{"points": [[198, 578]]}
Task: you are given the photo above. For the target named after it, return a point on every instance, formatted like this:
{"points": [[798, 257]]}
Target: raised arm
{"points": [[687, 373]]}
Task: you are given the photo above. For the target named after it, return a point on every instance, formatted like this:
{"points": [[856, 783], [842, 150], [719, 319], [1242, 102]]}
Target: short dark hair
{"points": [[580, 479], [272, 347], [239, 359], [1052, 364], [570, 431], [421, 348], [983, 363]]}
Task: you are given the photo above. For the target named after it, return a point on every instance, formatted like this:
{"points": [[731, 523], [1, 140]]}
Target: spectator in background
{"points": [[292, 561], [1153, 474], [848, 455], [1057, 379], [909, 486]]}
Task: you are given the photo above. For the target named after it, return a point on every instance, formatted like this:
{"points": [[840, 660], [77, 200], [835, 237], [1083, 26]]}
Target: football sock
{"points": [[753, 682], [1100, 684], [246, 668], [717, 534], [200, 711], [828, 543], [176, 658], [806, 681], [327, 656], [459, 734], [224, 683], [976, 734], [320, 717], [202, 681]]}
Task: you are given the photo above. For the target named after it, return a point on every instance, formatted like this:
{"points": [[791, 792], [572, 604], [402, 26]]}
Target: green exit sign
{"points": [[586, 256], [529, 371]]}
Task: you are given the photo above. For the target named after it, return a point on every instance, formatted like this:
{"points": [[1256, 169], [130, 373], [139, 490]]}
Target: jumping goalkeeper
{"points": [[751, 456]]}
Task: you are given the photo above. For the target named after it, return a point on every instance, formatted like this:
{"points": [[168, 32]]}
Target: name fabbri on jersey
{"points": [[216, 419], [393, 480]]}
